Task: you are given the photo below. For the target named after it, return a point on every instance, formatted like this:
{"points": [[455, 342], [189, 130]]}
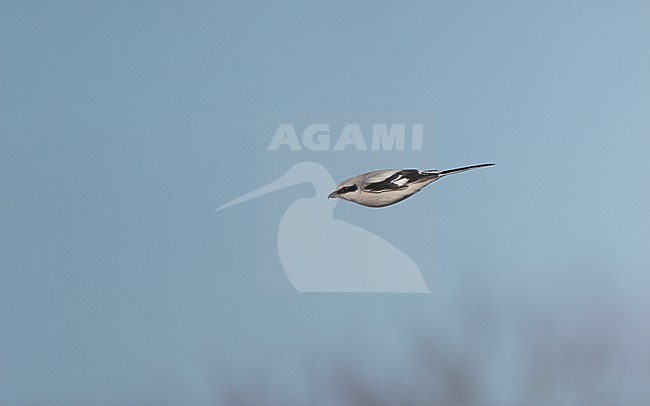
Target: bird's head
{"points": [[346, 190]]}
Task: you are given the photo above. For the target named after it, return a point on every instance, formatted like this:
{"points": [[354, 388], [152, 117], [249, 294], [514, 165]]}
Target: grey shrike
{"points": [[383, 188]]}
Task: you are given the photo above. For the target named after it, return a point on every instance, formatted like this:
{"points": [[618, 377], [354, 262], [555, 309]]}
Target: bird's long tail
{"points": [[463, 169]]}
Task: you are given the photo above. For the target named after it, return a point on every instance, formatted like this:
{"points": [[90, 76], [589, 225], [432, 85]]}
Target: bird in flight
{"points": [[383, 188]]}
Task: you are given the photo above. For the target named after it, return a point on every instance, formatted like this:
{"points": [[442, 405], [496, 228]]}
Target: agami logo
{"points": [[319, 137], [317, 252]]}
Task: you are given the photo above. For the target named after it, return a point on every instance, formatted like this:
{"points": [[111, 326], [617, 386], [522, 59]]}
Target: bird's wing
{"points": [[381, 181]]}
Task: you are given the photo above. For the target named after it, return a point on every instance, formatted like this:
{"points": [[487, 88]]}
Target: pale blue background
{"points": [[123, 125]]}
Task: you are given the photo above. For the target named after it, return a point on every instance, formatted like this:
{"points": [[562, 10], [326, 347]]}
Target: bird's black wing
{"points": [[399, 180]]}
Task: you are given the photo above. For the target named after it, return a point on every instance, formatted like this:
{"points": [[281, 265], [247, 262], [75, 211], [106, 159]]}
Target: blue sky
{"points": [[122, 127]]}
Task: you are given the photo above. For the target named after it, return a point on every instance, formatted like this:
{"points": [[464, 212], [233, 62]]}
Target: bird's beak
{"points": [[288, 179], [302, 172], [333, 195]]}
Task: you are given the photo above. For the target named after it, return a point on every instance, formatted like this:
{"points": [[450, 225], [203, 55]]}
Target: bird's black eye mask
{"points": [[347, 189]]}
